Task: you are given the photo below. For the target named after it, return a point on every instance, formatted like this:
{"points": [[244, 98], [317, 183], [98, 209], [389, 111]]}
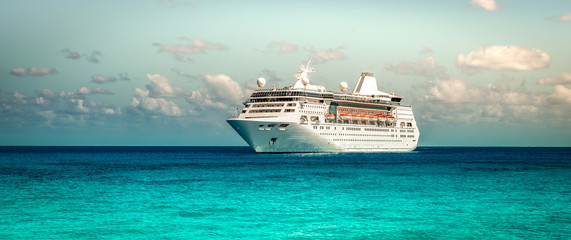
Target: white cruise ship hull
{"points": [[308, 118], [268, 136]]}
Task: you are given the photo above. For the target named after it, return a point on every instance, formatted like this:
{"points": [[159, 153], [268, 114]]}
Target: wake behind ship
{"points": [[308, 118]]}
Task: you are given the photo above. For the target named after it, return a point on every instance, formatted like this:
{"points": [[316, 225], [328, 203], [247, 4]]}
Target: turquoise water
{"points": [[230, 192]]}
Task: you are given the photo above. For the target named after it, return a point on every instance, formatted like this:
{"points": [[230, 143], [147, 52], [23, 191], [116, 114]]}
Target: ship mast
{"points": [[303, 73]]}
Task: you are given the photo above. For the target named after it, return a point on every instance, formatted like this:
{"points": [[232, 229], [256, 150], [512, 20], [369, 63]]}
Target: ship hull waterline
{"points": [[300, 138]]}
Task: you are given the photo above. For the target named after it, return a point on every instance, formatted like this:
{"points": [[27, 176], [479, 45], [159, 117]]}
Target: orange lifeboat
{"points": [[381, 118], [331, 116], [372, 118]]}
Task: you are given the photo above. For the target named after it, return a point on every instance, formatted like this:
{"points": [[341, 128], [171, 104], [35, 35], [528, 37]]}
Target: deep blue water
{"points": [[231, 192]]}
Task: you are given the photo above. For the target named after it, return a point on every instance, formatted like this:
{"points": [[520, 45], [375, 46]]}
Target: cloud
{"points": [[426, 50], [489, 5], [32, 71], [183, 74], [161, 87], [561, 79], [87, 91], [143, 103], [224, 88], [203, 100], [70, 54], [328, 54], [458, 91], [47, 93], [560, 95], [84, 90], [92, 57], [426, 67], [78, 106], [454, 100], [494, 110], [221, 92], [283, 46], [19, 98], [501, 58], [124, 76], [453, 91], [102, 79], [565, 18], [51, 109], [195, 46]]}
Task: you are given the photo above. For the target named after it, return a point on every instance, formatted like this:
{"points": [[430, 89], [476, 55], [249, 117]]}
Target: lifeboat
{"points": [[345, 116], [330, 116], [372, 118], [361, 118], [381, 118]]}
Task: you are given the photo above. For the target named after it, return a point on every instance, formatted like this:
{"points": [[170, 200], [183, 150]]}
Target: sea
{"points": [[235, 193]]}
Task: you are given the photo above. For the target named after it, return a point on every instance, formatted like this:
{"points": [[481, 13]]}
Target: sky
{"points": [[159, 72]]}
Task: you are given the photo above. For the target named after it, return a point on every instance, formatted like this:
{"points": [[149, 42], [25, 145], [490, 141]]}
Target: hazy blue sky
{"points": [[477, 72]]}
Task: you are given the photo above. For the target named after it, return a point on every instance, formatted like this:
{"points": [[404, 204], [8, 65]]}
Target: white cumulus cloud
{"points": [[455, 100], [500, 58], [221, 92], [102, 79], [489, 5], [78, 106], [87, 91], [560, 96], [154, 106], [426, 67], [565, 18], [458, 91], [283, 46], [161, 87], [328, 54], [453, 91], [202, 99], [224, 88], [47, 108], [20, 98], [561, 79], [194, 46]]}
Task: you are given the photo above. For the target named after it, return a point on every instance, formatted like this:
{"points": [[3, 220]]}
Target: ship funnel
{"points": [[367, 85]]}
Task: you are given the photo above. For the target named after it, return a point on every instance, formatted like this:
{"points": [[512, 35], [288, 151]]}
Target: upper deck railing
{"points": [[327, 95]]}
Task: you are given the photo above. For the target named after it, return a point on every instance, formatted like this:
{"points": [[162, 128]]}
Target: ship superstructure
{"points": [[308, 118]]}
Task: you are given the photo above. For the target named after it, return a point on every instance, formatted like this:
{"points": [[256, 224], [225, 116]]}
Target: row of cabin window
{"points": [[367, 140], [269, 105], [267, 110]]}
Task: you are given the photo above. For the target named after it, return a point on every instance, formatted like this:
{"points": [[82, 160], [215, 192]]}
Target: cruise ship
{"points": [[306, 118]]}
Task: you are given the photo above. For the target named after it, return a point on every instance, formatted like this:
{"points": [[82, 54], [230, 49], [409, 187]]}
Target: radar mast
{"points": [[303, 72]]}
